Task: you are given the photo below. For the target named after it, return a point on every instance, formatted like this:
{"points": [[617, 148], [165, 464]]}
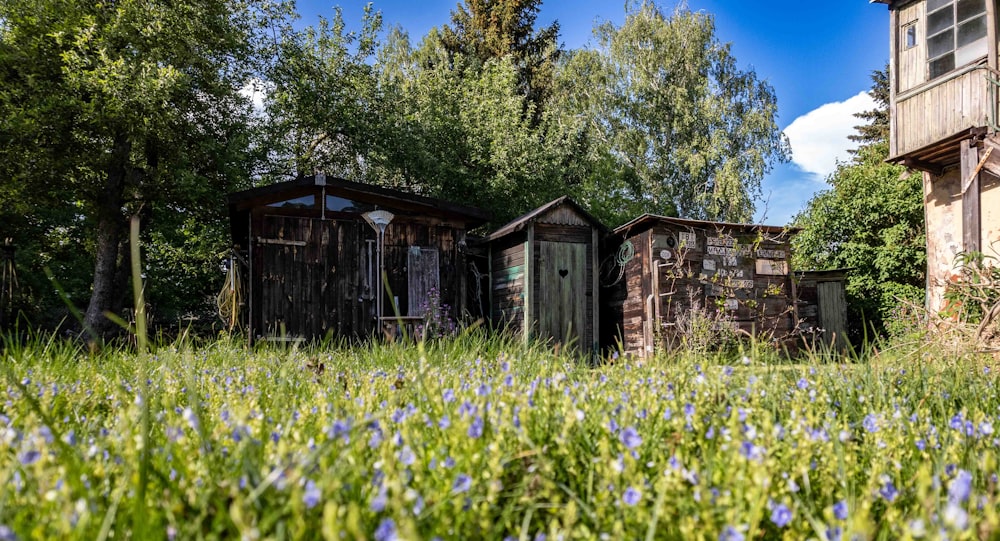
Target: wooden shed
{"points": [[677, 277], [822, 306], [543, 274], [313, 249]]}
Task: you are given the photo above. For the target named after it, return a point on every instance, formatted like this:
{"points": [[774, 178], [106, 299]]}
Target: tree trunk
{"points": [[107, 291]]}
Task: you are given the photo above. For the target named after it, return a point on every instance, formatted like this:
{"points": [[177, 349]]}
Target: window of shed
{"points": [[910, 35], [341, 204], [304, 202], [956, 34]]}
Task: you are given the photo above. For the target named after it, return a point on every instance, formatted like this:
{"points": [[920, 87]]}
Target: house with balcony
{"points": [[944, 89]]}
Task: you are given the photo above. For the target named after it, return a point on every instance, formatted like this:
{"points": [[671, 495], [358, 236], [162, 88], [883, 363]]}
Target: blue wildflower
{"points": [[406, 456], [730, 533], [888, 490], [28, 458], [386, 530], [631, 496], [312, 495], [960, 488], [870, 423], [630, 438], [7, 534], [462, 484], [803, 383], [448, 395], [834, 533], [476, 428], [955, 516], [379, 502], [840, 510], [781, 515]]}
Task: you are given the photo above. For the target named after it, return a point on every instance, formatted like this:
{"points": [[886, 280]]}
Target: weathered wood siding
{"points": [[946, 107], [507, 282], [315, 277], [911, 64], [678, 275], [544, 276]]}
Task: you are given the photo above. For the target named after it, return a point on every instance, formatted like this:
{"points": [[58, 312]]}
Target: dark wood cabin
{"points": [[822, 306], [674, 276], [944, 87], [313, 258], [543, 274]]}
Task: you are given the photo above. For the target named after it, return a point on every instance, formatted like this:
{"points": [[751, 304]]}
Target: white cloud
{"points": [[819, 137]]}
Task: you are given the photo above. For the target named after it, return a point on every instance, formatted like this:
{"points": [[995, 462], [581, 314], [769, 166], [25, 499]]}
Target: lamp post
{"points": [[379, 220]]}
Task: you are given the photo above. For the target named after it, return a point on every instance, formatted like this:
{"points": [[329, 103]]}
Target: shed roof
{"points": [[649, 220], [261, 195], [519, 223]]}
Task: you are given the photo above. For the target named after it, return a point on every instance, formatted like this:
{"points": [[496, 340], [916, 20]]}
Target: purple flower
{"points": [[631, 496], [834, 533], [870, 423], [386, 530], [888, 490], [630, 438], [406, 456], [448, 395], [28, 458], [960, 488], [955, 516], [462, 484], [840, 510], [6, 534], [730, 533], [781, 515], [379, 502], [476, 428], [803, 383], [312, 495]]}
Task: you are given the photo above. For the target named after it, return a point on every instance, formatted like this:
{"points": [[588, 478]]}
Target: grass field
{"points": [[487, 438]]}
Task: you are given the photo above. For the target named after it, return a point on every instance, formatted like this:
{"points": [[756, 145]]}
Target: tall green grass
{"points": [[483, 436]]}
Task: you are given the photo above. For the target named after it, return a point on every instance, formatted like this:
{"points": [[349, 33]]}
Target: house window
{"points": [[910, 35], [956, 34]]}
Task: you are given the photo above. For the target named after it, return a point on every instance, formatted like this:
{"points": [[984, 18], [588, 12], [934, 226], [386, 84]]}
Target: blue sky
{"points": [[818, 56]]}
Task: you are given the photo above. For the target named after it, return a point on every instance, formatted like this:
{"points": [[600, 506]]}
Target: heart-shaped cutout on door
{"points": [[563, 272]]}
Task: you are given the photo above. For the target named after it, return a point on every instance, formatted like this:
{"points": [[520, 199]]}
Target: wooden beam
{"points": [[921, 165], [970, 197], [529, 282]]}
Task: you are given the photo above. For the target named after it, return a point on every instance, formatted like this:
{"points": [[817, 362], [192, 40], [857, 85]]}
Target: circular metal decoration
{"points": [[666, 255]]}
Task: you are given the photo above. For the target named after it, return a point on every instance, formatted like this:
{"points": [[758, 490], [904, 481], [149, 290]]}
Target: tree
{"points": [[683, 129], [323, 106], [108, 109], [482, 30], [871, 220]]}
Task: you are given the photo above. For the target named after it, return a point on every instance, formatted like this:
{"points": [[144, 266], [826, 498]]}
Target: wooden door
{"points": [[832, 312], [562, 293], [422, 276], [291, 267]]}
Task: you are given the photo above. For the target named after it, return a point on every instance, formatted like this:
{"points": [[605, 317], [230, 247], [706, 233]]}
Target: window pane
{"points": [[340, 204], [939, 20], [942, 65], [970, 53], [969, 8], [306, 201], [910, 36], [971, 31], [934, 4], [940, 44]]}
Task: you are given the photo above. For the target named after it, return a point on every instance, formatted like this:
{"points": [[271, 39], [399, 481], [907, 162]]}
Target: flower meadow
{"points": [[483, 438]]}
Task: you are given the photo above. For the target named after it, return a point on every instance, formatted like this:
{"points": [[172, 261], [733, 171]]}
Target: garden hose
{"points": [[230, 298]]}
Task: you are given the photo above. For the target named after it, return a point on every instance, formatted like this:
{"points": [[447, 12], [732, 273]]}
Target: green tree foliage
{"points": [[460, 132], [324, 108], [678, 128], [108, 109], [872, 220], [482, 30]]}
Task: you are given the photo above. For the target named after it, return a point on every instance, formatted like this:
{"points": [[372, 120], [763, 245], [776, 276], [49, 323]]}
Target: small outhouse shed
{"points": [[316, 248], [543, 274], [822, 306], [677, 276]]}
